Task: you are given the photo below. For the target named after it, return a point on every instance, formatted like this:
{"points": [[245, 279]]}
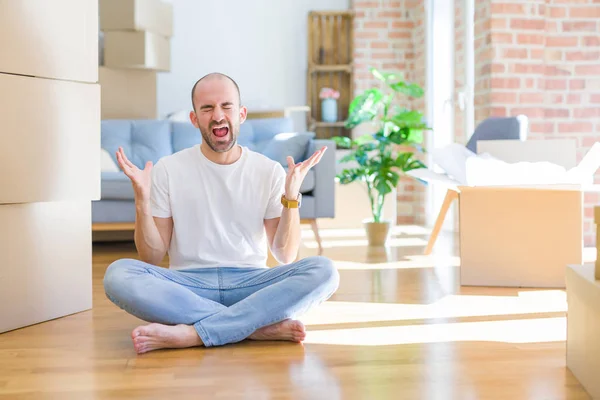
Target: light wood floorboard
{"points": [[399, 327]]}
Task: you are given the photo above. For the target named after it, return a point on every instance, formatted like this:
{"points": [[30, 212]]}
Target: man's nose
{"points": [[218, 114]]}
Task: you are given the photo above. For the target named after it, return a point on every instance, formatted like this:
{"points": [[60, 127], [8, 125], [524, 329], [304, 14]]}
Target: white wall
{"points": [[259, 43]]}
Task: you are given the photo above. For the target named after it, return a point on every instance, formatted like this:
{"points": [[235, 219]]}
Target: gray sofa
{"points": [[150, 140]]}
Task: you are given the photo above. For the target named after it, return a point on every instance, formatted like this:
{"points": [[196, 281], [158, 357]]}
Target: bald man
{"points": [[214, 208]]}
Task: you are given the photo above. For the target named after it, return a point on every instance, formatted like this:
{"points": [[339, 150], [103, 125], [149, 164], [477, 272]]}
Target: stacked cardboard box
{"points": [[583, 326], [49, 140], [136, 47]]}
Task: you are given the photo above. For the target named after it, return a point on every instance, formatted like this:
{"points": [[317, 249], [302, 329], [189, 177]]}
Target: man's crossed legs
{"points": [[217, 306]]}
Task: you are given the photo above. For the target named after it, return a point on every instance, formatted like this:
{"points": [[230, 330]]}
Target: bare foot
{"points": [[290, 330], [157, 336]]}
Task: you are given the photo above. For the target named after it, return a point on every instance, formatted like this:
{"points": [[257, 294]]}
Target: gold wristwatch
{"points": [[291, 203]]}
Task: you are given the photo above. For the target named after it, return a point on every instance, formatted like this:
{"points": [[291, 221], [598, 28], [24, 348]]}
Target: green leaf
{"points": [[342, 141], [387, 100], [402, 160], [394, 178], [361, 157], [383, 140], [384, 76], [409, 89], [416, 164], [364, 107], [406, 162], [389, 127], [347, 158], [368, 146], [383, 184], [415, 136], [398, 137], [408, 118], [349, 175], [366, 138]]}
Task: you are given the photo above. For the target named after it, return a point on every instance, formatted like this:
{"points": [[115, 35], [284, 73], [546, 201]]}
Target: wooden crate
{"points": [[330, 37], [330, 64]]}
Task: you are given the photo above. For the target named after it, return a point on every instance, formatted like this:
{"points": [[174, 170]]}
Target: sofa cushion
{"points": [[142, 140], [185, 135], [116, 186], [309, 182], [107, 163], [287, 144], [267, 128], [246, 136], [115, 133]]}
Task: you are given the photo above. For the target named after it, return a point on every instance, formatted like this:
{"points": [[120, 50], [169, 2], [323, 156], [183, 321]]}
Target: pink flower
{"points": [[329, 93]]}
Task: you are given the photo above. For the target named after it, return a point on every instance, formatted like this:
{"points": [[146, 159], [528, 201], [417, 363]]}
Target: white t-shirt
{"points": [[218, 210]]}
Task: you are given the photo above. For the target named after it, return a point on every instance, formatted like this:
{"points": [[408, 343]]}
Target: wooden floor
{"points": [[400, 327]]}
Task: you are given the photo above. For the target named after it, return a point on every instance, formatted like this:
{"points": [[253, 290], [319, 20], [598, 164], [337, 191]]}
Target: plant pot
{"points": [[377, 232]]}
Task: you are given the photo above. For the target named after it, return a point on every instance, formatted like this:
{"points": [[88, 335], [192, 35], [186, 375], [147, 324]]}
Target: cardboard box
{"points": [[46, 262], [49, 149], [128, 93], [583, 327], [51, 39], [520, 235], [140, 50], [137, 15]]}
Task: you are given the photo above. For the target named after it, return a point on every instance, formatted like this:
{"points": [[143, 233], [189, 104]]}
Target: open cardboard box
{"points": [[521, 235]]}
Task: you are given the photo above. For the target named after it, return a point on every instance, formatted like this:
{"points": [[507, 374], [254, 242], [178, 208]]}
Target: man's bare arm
{"points": [[284, 233], [152, 235]]}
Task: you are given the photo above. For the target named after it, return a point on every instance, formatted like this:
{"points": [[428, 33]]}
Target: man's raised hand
{"points": [[141, 179], [297, 173]]}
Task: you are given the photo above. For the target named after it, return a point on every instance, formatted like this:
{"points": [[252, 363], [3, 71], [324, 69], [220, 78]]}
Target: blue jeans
{"points": [[224, 304]]}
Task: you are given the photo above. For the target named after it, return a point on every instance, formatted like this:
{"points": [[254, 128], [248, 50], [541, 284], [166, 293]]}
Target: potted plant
{"points": [[381, 158]]}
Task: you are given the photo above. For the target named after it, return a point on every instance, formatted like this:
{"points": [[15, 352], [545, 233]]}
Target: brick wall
{"points": [[541, 58], [382, 39], [390, 35], [459, 68], [483, 59]]}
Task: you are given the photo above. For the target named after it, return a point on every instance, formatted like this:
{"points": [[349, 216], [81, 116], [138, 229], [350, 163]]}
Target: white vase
{"points": [[329, 110]]}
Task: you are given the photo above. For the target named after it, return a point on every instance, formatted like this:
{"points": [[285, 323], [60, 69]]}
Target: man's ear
{"points": [[193, 118], [243, 114]]}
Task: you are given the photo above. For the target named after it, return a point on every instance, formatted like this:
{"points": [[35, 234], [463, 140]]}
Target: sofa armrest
{"points": [[325, 170]]}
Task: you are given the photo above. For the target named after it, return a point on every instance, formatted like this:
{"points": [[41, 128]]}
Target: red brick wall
{"points": [[541, 58], [459, 69], [382, 39], [390, 35]]}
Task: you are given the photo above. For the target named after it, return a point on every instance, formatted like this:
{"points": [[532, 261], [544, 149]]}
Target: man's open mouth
{"points": [[220, 132]]}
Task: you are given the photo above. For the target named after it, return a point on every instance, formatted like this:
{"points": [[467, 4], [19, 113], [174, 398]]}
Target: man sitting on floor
{"points": [[214, 207]]}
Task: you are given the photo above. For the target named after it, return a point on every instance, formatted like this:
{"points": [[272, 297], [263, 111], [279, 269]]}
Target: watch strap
{"points": [[290, 203]]}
